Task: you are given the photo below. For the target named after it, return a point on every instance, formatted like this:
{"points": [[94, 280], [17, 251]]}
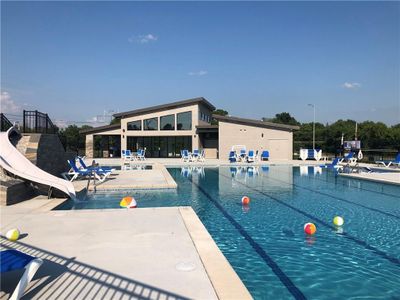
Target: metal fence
{"points": [[37, 122], [5, 123]]}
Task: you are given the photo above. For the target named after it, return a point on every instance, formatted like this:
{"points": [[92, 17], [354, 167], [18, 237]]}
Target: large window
{"points": [[184, 121], [150, 124], [160, 146], [167, 122], [135, 125]]}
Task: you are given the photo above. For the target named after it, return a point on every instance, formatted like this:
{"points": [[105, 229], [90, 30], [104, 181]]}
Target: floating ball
{"points": [[310, 228], [338, 221], [245, 200], [128, 202], [12, 234]]}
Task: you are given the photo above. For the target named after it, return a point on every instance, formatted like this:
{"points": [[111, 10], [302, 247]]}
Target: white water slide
{"points": [[16, 163]]}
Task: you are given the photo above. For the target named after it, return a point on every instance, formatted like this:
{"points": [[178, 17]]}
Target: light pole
{"points": [[313, 131]]}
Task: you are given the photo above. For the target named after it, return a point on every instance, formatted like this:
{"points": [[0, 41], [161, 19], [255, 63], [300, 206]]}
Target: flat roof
{"points": [[256, 123], [100, 128], [171, 105]]}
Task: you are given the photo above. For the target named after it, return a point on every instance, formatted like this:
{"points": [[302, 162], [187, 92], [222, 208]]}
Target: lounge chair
{"points": [[348, 158], [141, 154], [101, 168], [251, 157], [388, 163], [186, 156], [333, 164], [74, 172], [128, 155], [265, 155], [15, 260], [202, 156], [233, 157], [196, 154], [242, 154], [122, 154]]}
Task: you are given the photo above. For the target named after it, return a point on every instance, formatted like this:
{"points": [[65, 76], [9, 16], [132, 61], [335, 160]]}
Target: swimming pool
{"points": [[265, 242]]}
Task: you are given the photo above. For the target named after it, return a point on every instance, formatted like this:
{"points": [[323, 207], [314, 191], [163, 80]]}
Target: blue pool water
{"points": [[265, 242]]}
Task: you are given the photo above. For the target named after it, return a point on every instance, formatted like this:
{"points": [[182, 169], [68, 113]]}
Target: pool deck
{"points": [[152, 253], [156, 178], [389, 178]]}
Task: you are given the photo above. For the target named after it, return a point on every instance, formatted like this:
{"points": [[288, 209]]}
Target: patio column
{"points": [[89, 146]]}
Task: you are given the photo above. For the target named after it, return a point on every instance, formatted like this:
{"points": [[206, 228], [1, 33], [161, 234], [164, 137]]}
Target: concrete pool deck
{"points": [[387, 177], [152, 253]]}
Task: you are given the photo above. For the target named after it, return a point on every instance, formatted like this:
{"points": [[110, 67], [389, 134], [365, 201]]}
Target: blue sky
{"points": [[255, 59]]}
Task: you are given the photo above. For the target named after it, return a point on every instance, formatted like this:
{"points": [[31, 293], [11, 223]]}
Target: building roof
{"points": [[256, 123], [176, 104], [100, 128]]}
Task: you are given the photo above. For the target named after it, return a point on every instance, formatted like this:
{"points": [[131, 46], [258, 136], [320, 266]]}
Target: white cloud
{"points": [[351, 85], [143, 39], [198, 73], [8, 105]]}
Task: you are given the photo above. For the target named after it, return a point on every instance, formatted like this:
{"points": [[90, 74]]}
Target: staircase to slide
{"points": [[16, 163]]}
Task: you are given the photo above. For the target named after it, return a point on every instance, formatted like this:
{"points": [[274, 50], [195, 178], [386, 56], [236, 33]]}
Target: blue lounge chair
{"points": [[122, 153], [186, 155], [74, 172], [233, 156], [251, 157], [141, 154], [265, 155], [347, 158], [333, 164], [196, 154], [15, 260], [101, 168], [388, 163]]}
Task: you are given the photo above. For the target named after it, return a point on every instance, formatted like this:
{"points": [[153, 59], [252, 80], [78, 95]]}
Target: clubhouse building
{"points": [[164, 130]]}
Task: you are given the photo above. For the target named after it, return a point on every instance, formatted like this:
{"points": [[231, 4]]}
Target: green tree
{"points": [[284, 118], [72, 139], [220, 112], [115, 121]]}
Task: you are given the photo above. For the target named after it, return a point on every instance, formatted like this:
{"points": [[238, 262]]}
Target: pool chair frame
{"points": [[30, 270], [388, 163], [186, 156], [251, 157], [75, 173]]}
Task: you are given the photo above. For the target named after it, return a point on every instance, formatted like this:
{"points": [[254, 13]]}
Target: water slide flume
{"points": [[16, 163]]}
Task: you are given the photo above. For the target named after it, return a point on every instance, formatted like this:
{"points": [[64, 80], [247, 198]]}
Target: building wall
{"points": [[195, 109], [278, 142]]}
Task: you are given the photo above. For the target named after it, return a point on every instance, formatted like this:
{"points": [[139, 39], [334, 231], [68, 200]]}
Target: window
{"points": [[167, 122], [184, 121], [151, 124], [135, 125]]}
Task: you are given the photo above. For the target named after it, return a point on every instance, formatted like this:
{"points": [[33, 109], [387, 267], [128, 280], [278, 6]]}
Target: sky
{"points": [[77, 60]]}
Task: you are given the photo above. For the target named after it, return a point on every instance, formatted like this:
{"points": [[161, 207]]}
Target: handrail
{"points": [[5, 123], [37, 122]]}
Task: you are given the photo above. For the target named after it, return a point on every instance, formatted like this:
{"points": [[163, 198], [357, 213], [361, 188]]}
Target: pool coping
{"points": [[226, 282], [369, 178]]}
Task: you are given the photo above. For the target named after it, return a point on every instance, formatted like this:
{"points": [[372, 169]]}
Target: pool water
{"points": [[265, 242]]}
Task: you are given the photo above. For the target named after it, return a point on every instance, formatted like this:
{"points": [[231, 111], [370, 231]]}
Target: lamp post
{"points": [[313, 134]]}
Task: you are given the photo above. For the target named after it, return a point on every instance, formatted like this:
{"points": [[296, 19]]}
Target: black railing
{"points": [[5, 123], [37, 122]]}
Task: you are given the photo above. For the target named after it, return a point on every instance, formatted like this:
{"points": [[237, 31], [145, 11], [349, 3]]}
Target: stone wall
{"points": [[89, 146]]}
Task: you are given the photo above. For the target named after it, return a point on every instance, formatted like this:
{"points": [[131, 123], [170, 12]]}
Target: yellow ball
{"points": [[12, 234], [338, 221]]}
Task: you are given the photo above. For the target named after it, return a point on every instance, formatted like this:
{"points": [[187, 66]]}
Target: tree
{"points": [[72, 139], [115, 121], [220, 112], [285, 118]]}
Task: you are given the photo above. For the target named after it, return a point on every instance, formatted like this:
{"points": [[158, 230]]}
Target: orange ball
{"points": [[310, 228], [245, 200]]}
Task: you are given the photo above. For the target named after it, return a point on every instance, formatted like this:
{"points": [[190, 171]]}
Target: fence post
{"points": [[47, 123], [23, 120]]}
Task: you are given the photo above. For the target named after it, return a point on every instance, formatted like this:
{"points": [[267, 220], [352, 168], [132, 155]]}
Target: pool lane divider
{"points": [[287, 282], [334, 197], [381, 253]]}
